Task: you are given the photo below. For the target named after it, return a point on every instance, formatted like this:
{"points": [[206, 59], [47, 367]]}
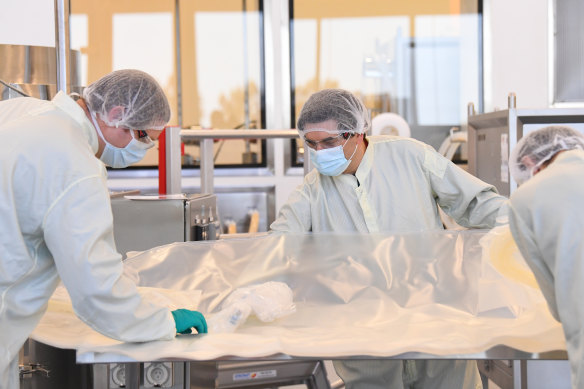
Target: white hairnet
{"points": [[539, 146], [144, 104], [340, 105]]}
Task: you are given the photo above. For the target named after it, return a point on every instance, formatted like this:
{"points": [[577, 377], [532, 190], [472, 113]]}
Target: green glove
{"points": [[186, 319]]}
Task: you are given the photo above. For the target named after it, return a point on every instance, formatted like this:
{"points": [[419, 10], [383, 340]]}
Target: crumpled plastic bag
{"points": [[501, 253], [268, 301], [505, 277]]}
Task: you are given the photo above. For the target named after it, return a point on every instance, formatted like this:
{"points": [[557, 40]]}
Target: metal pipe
{"points": [[62, 46], [237, 134], [206, 146], [511, 100], [207, 166], [13, 89], [246, 120], [178, 62], [470, 109], [173, 160]]}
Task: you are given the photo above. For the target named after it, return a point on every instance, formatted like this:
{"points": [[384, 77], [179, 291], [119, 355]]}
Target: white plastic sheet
{"points": [[268, 302], [370, 295]]}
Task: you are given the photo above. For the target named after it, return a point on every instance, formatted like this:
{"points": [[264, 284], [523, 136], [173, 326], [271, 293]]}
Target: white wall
{"points": [[27, 22], [516, 53]]}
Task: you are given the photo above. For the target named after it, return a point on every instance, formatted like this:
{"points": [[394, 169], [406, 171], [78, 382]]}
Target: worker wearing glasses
{"points": [[56, 215], [381, 184]]}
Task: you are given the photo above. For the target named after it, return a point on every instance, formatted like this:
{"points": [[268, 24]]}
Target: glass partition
{"points": [[222, 81], [419, 59], [218, 82]]}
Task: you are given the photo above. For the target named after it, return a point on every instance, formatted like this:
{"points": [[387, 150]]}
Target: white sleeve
{"points": [[546, 220], [526, 242], [295, 215], [469, 201], [78, 230]]}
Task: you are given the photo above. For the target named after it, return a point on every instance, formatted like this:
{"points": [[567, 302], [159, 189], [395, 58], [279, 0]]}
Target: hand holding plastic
{"points": [[186, 319]]}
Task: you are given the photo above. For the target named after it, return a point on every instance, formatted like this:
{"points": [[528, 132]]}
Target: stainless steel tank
{"points": [[33, 71]]}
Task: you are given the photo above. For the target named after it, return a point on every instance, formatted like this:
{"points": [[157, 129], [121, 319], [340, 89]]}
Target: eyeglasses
{"points": [[327, 143], [141, 136]]}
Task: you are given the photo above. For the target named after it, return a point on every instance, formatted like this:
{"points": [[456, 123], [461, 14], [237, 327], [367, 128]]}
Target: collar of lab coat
{"points": [[365, 166], [70, 106], [570, 155]]}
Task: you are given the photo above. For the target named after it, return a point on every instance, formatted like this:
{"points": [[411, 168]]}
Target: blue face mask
{"points": [[119, 157], [330, 162]]}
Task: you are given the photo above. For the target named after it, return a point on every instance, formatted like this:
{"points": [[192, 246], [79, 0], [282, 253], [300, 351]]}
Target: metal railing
{"points": [[174, 135]]}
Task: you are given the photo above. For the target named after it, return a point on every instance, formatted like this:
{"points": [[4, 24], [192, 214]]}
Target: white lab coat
{"points": [[547, 222], [57, 225], [397, 188]]}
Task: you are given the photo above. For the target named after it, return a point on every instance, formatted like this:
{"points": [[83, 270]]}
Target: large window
{"points": [[222, 83], [419, 59], [219, 84]]}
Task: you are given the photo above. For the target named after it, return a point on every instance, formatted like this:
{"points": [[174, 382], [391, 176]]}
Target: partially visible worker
{"points": [[56, 218], [547, 222], [381, 184]]}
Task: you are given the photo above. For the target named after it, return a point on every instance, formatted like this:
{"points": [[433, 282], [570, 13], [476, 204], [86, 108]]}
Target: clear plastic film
{"points": [[505, 276], [397, 270], [268, 301], [372, 295]]}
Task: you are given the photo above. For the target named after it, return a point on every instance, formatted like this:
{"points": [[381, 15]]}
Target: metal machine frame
{"points": [[492, 136], [111, 371]]}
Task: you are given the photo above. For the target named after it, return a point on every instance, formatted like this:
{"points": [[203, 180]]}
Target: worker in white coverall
{"points": [[547, 222], [56, 219], [381, 184]]}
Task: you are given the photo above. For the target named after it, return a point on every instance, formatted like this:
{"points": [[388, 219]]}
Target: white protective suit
{"points": [[397, 188], [57, 224], [547, 223]]}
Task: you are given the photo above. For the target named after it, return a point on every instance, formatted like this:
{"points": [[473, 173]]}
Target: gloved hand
{"points": [[185, 319]]}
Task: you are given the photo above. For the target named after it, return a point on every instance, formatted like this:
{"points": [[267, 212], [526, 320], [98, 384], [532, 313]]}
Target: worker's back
{"points": [[15, 108]]}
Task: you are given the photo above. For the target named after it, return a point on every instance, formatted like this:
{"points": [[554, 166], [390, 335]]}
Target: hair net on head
{"points": [[539, 146], [143, 103], [340, 105]]}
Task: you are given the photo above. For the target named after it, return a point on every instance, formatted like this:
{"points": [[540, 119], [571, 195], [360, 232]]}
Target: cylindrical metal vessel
{"points": [[33, 70]]}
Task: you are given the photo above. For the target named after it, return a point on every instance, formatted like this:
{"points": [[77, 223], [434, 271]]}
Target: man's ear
{"points": [[527, 162], [115, 114]]}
